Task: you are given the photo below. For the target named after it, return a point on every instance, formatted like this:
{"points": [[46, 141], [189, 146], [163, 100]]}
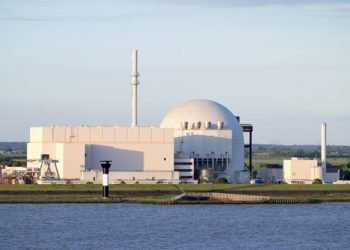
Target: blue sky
{"points": [[283, 66]]}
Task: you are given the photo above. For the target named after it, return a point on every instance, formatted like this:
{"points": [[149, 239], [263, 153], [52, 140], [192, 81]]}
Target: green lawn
{"points": [[90, 187], [272, 187]]}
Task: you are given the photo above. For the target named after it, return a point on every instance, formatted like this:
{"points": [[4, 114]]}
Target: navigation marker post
{"points": [[105, 166]]}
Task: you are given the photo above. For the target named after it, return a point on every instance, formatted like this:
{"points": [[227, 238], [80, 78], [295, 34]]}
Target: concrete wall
{"points": [[131, 156], [71, 159]]}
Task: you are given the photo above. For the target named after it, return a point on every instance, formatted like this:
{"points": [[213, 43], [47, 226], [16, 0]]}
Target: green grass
{"points": [[261, 161], [89, 187], [272, 187], [172, 187], [42, 198]]}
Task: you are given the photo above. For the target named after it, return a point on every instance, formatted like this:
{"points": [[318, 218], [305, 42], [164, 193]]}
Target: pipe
{"points": [[323, 145], [134, 83]]}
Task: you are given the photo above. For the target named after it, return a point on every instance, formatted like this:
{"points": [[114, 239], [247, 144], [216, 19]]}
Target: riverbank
{"points": [[165, 193]]}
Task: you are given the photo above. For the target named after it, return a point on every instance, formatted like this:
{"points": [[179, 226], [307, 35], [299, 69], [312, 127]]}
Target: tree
{"points": [[346, 174]]}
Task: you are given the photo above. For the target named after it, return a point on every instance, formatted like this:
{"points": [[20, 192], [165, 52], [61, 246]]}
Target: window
{"points": [[183, 163]]}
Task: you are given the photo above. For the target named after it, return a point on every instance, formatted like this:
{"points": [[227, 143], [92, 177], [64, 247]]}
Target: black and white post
{"points": [[105, 166]]}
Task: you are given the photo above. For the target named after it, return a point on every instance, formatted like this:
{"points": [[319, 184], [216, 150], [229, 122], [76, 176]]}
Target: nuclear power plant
{"points": [[196, 139]]}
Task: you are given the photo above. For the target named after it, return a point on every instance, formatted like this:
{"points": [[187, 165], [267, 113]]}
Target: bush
{"points": [[317, 181], [122, 182], [203, 181], [220, 180], [89, 183], [68, 182]]}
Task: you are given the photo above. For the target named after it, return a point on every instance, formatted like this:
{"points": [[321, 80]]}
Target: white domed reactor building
{"points": [[209, 135]]}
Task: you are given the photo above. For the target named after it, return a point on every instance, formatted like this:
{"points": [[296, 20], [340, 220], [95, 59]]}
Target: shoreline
{"points": [[175, 194]]}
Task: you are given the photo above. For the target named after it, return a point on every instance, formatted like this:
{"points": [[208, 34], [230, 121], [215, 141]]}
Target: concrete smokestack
{"points": [[134, 83], [323, 145]]}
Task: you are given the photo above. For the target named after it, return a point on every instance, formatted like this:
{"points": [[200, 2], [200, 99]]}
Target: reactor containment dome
{"points": [[211, 135]]}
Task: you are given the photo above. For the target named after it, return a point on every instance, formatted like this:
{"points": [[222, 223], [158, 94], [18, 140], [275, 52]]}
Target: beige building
{"points": [[300, 171], [79, 150], [303, 171]]}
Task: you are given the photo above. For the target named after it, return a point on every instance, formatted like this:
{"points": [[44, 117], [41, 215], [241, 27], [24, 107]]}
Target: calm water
{"points": [[135, 226]]}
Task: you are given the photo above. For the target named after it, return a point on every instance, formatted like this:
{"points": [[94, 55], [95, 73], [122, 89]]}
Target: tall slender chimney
{"points": [[134, 83], [323, 145]]}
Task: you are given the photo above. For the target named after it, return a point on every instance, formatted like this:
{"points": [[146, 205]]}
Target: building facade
{"points": [[80, 149]]}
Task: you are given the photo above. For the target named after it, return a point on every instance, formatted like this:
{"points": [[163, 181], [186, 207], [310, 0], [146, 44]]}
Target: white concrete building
{"points": [[303, 171], [149, 151]]}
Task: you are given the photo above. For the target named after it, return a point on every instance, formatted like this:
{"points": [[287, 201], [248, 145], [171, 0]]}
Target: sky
{"points": [[283, 66]]}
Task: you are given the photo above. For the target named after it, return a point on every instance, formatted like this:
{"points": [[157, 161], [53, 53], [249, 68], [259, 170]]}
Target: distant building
{"points": [[332, 174], [271, 173], [304, 171]]}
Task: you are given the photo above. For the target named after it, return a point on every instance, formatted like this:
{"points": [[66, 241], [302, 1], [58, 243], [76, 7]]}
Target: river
{"points": [[140, 226]]}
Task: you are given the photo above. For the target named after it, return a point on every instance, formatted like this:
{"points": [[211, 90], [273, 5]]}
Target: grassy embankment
{"points": [[162, 193], [86, 193]]}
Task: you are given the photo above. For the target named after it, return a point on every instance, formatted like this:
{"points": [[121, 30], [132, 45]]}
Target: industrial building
{"points": [[305, 171], [79, 150], [195, 138], [270, 173]]}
